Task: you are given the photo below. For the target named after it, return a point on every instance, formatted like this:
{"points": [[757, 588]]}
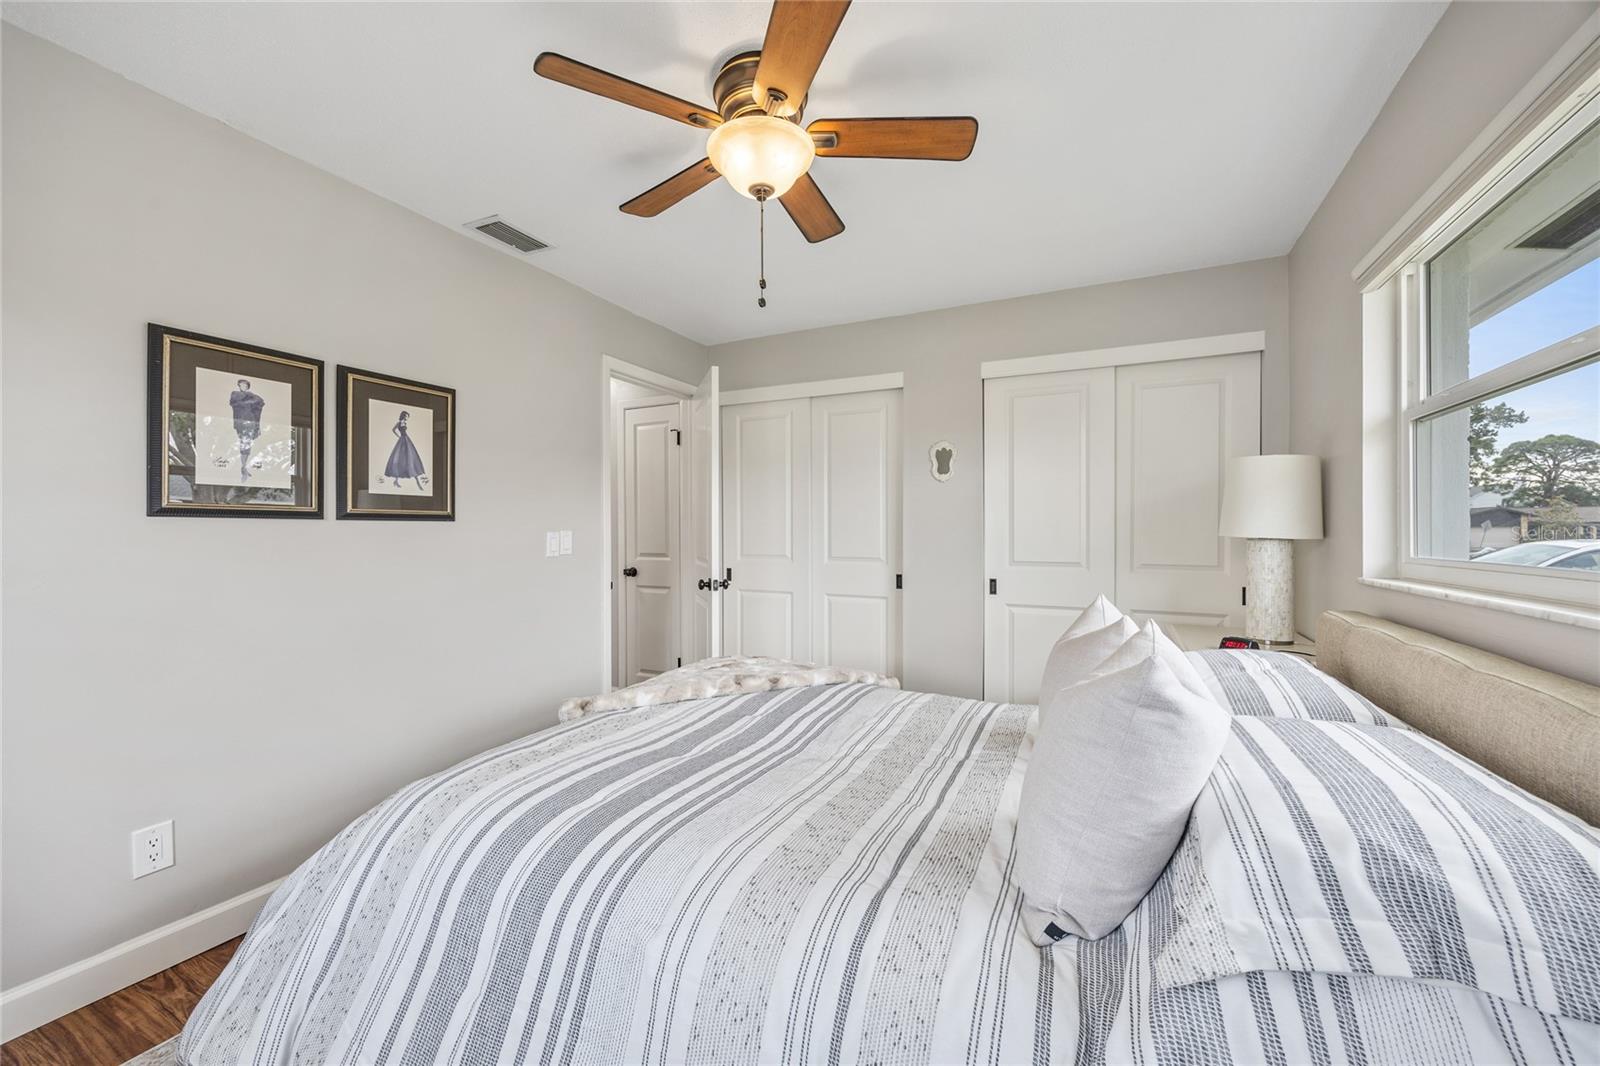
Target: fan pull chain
{"points": [[761, 206]]}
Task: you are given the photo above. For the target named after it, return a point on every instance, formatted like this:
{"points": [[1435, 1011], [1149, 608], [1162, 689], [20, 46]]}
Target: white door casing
{"points": [[651, 464], [855, 530], [766, 477], [1049, 517], [1178, 424], [702, 600]]}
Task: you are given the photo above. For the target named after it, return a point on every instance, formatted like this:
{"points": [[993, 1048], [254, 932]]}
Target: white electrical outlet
{"points": [[152, 848]]}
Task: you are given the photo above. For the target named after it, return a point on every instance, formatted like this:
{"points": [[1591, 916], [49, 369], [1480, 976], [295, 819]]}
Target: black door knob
{"points": [[630, 571], [703, 583]]}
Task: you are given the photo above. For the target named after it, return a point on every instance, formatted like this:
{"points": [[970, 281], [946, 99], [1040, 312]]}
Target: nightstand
{"points": [[1206, 638]]}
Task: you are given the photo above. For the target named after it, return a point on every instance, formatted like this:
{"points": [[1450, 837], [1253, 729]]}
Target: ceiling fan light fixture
{"points": [[756, 151]]}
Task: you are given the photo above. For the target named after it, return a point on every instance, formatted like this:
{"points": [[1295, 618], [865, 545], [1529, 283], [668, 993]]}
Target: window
{"points": [[1499, 322]]}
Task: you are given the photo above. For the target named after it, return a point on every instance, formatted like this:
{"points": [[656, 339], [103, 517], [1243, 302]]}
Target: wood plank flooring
{"points": [[110, 1031]]}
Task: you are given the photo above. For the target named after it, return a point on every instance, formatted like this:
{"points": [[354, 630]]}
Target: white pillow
{"points": [[1099, 614], [1096, 633], [1117, 765], [1150, 640]]}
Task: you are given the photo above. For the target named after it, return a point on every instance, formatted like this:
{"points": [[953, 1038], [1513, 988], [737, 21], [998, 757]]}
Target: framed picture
{"points": [[235, 430], [397, 448]]}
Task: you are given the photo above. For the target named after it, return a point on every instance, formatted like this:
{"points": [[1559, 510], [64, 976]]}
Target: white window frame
{"points": [[1548, 116]]}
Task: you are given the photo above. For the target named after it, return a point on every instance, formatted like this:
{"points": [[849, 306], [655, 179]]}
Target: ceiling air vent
{"points": [[507, 234], [1568, 228]]}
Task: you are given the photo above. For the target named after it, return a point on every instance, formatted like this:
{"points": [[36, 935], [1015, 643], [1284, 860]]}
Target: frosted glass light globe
{"points": [[760, 150]]}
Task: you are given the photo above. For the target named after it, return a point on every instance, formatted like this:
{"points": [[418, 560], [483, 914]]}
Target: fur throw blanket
{"points": [[720, 677]]}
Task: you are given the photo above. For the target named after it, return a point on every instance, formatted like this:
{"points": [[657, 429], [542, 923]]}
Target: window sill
{"points": [[1532, 608]]}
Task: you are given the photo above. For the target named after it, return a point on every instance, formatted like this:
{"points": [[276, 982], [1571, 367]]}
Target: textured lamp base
{"points": [[1269, 575]]}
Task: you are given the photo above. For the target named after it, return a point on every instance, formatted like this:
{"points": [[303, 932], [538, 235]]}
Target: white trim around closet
{"points": [[801, 390], [1159, 352]]}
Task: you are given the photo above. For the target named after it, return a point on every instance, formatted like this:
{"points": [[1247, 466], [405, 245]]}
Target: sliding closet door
{"points": [[855, 530], [1178, 424], [1049, 517], [650, 534], [766, 486]]}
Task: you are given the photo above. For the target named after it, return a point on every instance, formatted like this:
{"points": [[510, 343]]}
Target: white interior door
{"points": [[855, 530], [1049, 517], [652, 564], [1178, 424], [703, 601], [766, 474]]}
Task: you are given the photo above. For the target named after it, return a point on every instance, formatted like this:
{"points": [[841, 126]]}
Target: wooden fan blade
{"points": [[594, 80], [798, 35], [811, 210], [896, 138], [690, 179]]}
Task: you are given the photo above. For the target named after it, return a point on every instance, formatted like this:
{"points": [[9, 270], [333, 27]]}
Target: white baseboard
{"points": [[47, 998]]}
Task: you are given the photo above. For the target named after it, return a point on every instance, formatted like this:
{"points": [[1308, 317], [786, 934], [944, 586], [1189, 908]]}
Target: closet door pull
{"points": [[630, 571]]}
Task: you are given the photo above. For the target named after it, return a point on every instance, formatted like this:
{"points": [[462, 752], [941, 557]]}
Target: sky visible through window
{"points": [[1569, 403]]}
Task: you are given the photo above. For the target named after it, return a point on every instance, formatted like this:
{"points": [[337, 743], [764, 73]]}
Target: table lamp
{"points": [[1272, 501]]}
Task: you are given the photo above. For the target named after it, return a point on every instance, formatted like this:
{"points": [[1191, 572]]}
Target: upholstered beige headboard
{"points": [[1537, 729]]}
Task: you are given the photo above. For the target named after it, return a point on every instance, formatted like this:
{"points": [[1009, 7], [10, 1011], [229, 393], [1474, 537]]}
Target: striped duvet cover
{"points": [[821, 874]]}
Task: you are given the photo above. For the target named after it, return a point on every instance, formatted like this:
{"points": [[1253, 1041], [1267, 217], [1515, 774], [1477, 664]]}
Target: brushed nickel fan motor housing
{"points": [[733, 88]]}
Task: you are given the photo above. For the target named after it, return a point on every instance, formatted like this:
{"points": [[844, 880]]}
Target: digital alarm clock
{"points": [[1240, 643]]}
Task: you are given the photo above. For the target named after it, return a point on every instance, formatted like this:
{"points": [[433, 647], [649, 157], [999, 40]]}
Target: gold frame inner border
{"points": [[349, 445], [166, 424]]}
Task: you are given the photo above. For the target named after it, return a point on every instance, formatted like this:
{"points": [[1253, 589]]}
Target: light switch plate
{"points": [[566, 542], [552, 544]]}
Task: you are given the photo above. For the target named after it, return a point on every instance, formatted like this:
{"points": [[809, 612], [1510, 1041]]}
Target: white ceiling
{"points": [[1116, 140]]}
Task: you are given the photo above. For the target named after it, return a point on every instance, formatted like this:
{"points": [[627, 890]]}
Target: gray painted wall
{"points": [[940, 351], [261, 682], [1478, 57]]}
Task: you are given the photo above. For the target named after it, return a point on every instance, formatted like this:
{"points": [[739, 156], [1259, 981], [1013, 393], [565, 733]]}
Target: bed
{"points": [[820, 873]]}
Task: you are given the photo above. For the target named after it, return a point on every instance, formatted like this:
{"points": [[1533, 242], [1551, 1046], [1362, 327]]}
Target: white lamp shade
{"points": [[760, 150], [1277, 497]]}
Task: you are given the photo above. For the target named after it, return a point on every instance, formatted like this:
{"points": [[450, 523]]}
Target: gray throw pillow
{"points": [[1117, 764]]}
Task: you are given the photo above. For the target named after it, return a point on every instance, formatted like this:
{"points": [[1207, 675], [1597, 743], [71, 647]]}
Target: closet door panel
{"points": [[764, 623], [766, 486], [1050, 453], [1049, 517], [855, 503], [855, 632], [1178, 424]]}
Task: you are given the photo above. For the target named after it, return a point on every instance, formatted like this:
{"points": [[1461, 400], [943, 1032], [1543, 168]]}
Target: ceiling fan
{"points": [[756, 141]]}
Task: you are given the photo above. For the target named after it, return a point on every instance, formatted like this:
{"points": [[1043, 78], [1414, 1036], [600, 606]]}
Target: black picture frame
{"points": [[288, 463], [425, 496]]}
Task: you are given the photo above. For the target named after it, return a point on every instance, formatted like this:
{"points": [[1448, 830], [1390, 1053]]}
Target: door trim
{"points": [[803, 390], [1159, 352], [620, 369]]}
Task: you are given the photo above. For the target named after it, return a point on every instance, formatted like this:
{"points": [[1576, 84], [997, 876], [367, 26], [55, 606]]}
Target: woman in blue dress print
{"points": [[404, 460]]}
